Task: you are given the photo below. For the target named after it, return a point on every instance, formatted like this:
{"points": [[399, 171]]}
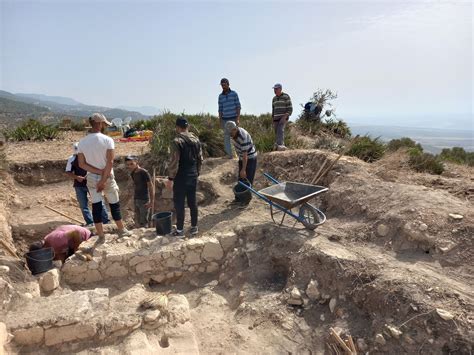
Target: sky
{"points": [[384, 58]]}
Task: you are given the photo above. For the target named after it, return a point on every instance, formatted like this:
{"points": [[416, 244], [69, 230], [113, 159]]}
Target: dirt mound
{"points": [[391, 267]]}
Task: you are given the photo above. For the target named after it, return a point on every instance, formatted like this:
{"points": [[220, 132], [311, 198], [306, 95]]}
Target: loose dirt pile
{"points": [[391, 267]]}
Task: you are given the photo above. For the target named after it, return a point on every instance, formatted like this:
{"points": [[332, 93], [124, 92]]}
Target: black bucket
{"points": [[163, 222], [242, 194], [40, 260]]}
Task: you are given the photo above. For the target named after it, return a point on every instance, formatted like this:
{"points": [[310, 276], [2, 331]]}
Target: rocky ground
{"points": [[391, 267]]}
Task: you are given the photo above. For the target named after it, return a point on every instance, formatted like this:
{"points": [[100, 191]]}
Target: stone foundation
{"points": [[157, 258]]}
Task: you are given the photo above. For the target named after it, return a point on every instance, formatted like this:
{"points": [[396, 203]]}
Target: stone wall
{"points": [[145, 255]]}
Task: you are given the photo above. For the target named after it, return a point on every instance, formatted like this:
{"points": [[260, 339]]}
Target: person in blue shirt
{"points": [[229, 110]]}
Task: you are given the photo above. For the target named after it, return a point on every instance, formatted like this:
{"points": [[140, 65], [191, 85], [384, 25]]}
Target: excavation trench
{"points": [[239, 278]]}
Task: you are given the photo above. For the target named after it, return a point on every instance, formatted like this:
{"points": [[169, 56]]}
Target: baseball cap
{"points": [[224, 80], [230, 125], [182, 122], [131, 157], [277, 86], [99, 117]]}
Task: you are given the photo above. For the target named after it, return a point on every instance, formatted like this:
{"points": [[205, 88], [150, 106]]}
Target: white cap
{"points": [[99, 117]]}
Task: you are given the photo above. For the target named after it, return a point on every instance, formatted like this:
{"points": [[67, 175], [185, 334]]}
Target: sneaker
{"points": [[194, 230], [90, 225], [124, 233], [178, 234], [282, 148]]}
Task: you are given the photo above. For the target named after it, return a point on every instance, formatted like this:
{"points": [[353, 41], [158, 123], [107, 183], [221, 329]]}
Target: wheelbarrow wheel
{"points": [[309, 216]]}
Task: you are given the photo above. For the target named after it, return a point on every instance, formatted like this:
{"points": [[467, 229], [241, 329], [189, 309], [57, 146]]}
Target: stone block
{"points": [[92, 276], [228, 240], [212, 250], [49, 281], [59, 335], [192, 258], [144, 267], [172, 262], [116, 270], [29, 336], [137, 260], [212, 267]]}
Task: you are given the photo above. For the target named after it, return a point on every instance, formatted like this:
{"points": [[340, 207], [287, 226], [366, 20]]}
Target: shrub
{"points": [[78, 126], [404, 142], [457, 155], [32, 130], [144, 124], [367, 149], [335, 127], [424, 162]]}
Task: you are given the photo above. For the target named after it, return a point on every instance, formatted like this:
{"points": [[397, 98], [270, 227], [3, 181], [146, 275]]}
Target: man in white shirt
{"points": [[96, 155]]}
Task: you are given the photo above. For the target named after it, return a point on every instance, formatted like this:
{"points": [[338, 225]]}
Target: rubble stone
{"points": [[212, 251], [49, 281], [379, 339], [58, 335], [29, 336], [382, 230], [312, 290]]}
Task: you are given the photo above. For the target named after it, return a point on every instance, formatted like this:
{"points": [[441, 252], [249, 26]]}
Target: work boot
{"points": [[124, 233]]}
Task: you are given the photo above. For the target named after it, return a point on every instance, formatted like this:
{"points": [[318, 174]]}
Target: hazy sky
{"points": [[382, 57]]}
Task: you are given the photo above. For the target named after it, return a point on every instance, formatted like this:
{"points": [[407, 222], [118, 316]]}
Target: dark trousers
{"points": [[185, 190], [251, 169]]}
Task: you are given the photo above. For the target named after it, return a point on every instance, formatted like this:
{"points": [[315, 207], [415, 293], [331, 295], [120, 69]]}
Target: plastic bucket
{"points": [[40, 260], [241, 193], [163, 222]]}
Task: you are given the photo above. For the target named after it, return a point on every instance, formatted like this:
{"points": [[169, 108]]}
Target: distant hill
{"points": [[53, 108], [56, 99], [14, 112], [146, 110]]}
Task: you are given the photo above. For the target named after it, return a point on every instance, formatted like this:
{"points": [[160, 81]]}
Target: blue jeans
{"points": [[82, 198], [227, 143]]}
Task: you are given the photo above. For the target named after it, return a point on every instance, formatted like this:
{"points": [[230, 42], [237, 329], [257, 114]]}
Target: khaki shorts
{"points": [[111, 189]]}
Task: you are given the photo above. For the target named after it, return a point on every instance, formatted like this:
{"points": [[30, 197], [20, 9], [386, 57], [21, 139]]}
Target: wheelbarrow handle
{"points": [[271, 178]]}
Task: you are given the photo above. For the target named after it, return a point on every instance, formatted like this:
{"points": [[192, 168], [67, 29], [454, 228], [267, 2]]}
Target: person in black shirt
{"points": [[143, 191], [80, 185], [183, 172]]}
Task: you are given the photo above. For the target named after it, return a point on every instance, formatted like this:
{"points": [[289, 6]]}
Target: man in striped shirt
{"points": [[281, 112], [246, 151], [229, 110]]}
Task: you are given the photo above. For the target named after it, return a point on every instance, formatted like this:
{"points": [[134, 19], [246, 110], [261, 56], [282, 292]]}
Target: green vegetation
{"points": [[457, 155], [403, 142], [424, 162], [366, 148], [32, 130], [208, 129]]}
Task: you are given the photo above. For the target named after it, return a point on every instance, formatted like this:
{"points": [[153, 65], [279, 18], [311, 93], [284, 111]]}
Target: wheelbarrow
{"points": [[283, 197]]}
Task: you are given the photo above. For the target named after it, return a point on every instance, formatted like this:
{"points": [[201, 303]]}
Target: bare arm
{"points": [[108, 167], [243, 172], [83, 164]]}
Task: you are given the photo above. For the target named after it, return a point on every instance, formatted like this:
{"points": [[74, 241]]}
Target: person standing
{"points": [[96, 156], [229, 110], [80, 186], [183, 172], [281, 112], [144, 192], [246, 151]]}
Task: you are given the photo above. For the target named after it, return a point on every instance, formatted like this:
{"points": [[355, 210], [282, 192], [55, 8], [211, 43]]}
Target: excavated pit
{"points": [[239, 276]]}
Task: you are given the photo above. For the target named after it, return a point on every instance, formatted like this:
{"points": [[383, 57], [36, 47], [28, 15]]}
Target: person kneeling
{"points": [[64, 240]]}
